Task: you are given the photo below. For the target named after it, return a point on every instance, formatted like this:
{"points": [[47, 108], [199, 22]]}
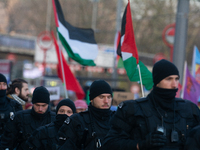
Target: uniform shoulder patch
{"points": [[121, 105], [67, 121], [12, 115]]}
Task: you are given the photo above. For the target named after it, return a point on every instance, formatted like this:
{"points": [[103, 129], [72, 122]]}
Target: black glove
{"points": [[155, 139]]}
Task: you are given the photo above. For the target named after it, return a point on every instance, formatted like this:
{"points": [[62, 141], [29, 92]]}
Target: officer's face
{"points": [[3, 86], [102, 101], [170, 82], [24, 93], [40, 108], [65, 110]]}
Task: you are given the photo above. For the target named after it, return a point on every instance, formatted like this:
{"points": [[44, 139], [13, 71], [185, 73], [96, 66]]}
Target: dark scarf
{"points": [[60, 118], [2, 93], [164, 97], [3, 100], [39, 116], [101, 116]]}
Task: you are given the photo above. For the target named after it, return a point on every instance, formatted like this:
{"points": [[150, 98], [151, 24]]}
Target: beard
{"points": [[24, 98]]}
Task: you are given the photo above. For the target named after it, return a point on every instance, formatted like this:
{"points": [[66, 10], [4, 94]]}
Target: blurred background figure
{"points": [[18, 90], [72, 95], [81, 105], [54, 103], [28, 106], [86, 90], [135, 89]]}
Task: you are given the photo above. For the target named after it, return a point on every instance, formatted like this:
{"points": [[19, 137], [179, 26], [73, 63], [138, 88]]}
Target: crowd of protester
{"points": [[159, 121]]}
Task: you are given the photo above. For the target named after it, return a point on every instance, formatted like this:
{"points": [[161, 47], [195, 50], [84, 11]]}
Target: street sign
{"points": [[168, 38], [45, 40], [169, 34]]}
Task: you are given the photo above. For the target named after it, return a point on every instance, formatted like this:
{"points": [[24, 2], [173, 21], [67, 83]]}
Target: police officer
{"points": [[17, 130], [86, 130], [8, 107], [158, 122], [46, 137], [18, 90]]}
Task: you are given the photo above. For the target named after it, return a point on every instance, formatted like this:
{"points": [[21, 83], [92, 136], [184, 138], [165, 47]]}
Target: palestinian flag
{"points": [[118, 59], [71, 83], [128, 51], [79, 43]]}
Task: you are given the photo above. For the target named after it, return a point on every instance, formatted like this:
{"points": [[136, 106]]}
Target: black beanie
{"points": [[66, 102], [41, 95], [163, 69], [3, 78], [99, 87]]}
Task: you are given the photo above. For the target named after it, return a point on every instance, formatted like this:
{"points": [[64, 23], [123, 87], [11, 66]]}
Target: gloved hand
{"points": [[154, 139]]}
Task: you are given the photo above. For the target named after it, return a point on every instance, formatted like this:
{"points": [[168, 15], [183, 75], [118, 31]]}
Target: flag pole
{"points": [[140, 80], [59, 48], [62, 69], [184, 79]]}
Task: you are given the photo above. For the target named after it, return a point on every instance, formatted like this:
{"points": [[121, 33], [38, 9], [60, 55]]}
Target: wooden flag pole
{"points": [[140, 79], [62, 69]]}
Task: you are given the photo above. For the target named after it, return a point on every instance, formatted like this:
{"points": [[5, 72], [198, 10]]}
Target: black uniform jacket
{"points": [[84, 131], [44, 138], [8, 112], [20, 128], [135, 119], [193, 141]]}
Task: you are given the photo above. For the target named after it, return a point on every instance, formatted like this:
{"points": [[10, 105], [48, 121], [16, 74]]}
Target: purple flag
{"points": [[192, 88], [196, 64]]}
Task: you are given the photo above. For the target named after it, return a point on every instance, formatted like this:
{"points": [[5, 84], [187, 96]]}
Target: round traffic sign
{"points": [[168, 35], [44, 40]]}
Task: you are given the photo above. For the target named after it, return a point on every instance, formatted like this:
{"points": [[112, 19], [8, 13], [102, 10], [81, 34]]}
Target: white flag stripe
{"points": [[84, 50], [126, 55]]}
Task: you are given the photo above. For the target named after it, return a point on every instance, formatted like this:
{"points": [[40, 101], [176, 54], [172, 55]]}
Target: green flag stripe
{"points": [[133, 73], [72, 55]]}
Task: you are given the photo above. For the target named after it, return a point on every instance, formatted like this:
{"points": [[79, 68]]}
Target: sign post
{"points": [[45, 42]]}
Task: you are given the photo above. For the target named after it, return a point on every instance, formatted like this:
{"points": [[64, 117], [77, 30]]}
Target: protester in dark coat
{"points": [[25, 122], [86, 130], [46, 137], [81, 105], [8, 107], [18, 91], [158, 122]]}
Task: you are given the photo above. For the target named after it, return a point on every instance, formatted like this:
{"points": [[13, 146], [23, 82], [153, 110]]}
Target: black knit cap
{"points": [[3, 78], [66, 102], [163, 69], [99, 87], [41, 95]]}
